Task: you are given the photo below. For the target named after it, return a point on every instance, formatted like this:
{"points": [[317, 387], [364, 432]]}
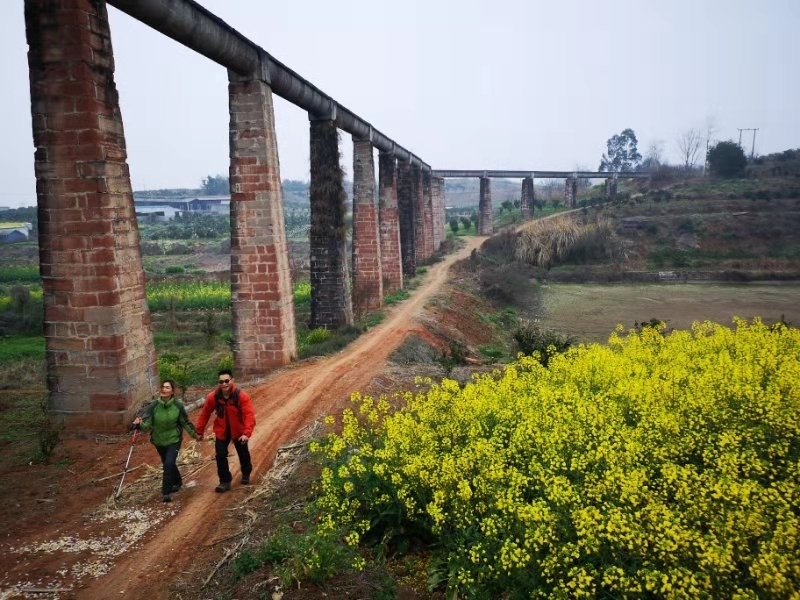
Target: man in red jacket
{"points": [[234, 422]]}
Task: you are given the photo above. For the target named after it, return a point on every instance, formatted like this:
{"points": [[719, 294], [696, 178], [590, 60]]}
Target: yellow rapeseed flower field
{"points": [[651, 466]]}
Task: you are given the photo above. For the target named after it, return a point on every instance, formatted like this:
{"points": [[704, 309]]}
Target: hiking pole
{"points": [[127, 462]]}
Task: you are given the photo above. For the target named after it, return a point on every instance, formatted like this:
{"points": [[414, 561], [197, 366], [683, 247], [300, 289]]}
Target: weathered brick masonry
{"points": [[485, 218], [420, 244], [427, 207], [367, 278], [331, 302], [570, 192], [101, 362], [391, 268], [526, 199], [437, 202], [406, 197], [261, 286]]}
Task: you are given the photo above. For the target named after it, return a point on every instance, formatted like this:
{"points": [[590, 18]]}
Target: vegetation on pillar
{"points": [[727, 159], [330, 286], [327, 218], [622, 153]]}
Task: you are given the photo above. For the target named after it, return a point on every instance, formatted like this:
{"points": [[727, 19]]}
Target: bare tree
{"points": [[654, 156], [689, 144]]}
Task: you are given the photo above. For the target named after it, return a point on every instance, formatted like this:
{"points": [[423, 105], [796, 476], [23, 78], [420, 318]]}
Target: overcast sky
{"points": [[474, 84]]}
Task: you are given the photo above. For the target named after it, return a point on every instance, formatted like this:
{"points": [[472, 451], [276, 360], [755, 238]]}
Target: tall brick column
{"points": [[437, 202], [611, 187], [526, 200], [331, 302], [427, 206], [570, 192], [420, 245], [392, 267], [485, 217], [261, 285], [101, 362], [367, 277], [406, 199]]}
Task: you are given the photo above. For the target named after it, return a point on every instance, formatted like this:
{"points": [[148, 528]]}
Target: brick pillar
{"points": [[101, 362], [392, 267], [485, 218], [437, 201], [570, 192], [261, 284], [406, 195], [419, 215], [367, 277], [331, 302], [526, 200], [427, 220], [611, 187]]}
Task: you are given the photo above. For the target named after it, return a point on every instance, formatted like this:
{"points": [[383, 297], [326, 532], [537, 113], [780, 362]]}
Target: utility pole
{"points": [[753, 147]]}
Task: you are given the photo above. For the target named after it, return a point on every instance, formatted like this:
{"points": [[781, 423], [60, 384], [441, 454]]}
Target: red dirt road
{"points": [[285, 402]]}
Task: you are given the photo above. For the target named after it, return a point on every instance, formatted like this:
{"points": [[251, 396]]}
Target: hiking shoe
{"points": [[246, 480], [176, 488], [167, 498], [223, 487]]}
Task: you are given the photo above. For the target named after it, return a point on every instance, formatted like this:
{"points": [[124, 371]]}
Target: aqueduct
{"points": [[101, 360]]}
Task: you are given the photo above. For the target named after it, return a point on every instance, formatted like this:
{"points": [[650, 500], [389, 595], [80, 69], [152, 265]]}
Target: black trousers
{"points": [[221, 449], [172, 476]]}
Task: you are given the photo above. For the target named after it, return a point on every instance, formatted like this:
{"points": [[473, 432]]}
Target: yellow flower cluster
{"points": [[664, 466]]}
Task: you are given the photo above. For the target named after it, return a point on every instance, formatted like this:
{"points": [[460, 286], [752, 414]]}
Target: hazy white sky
{"points": [[474, 84]]}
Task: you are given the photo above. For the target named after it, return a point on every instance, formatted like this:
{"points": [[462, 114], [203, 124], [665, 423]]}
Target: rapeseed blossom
{"points": [[653, 465]]}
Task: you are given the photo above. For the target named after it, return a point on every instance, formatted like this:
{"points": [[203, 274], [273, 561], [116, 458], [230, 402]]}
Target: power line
{"points": [[753, 148]]}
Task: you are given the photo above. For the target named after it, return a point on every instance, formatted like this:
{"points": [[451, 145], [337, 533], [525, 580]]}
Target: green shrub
{"points": [[18, 273], [534, 340], [318, 335], [727, 159], [297, 558], [396, 297]]}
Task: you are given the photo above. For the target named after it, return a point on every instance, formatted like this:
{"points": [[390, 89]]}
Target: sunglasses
{"points": [[224, 380]]}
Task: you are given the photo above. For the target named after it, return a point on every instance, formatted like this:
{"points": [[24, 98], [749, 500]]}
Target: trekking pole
{"points": [[127, 462]]}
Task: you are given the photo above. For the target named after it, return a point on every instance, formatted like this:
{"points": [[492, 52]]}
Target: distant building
{"points": [[156, 210], [15, 232]]}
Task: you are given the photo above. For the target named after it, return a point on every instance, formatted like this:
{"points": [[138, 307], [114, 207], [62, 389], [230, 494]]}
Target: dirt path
{"points": [[287, 401]]}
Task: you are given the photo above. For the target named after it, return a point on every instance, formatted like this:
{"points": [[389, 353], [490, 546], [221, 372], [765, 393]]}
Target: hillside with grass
{"points": [[675, 228]]}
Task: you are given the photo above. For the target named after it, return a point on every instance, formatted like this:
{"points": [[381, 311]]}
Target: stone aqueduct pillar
{"points": [[611, 187], [261, 285], [526, 199], [331, 300], [101, 362], [406, 196], [570, 192], [391, 264], [437, 201], [367, 276], [485, 220], [428, 211], [419, 215]]}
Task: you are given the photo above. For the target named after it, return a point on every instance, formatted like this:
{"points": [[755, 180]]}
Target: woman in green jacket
{"points": [[166, 419]]}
